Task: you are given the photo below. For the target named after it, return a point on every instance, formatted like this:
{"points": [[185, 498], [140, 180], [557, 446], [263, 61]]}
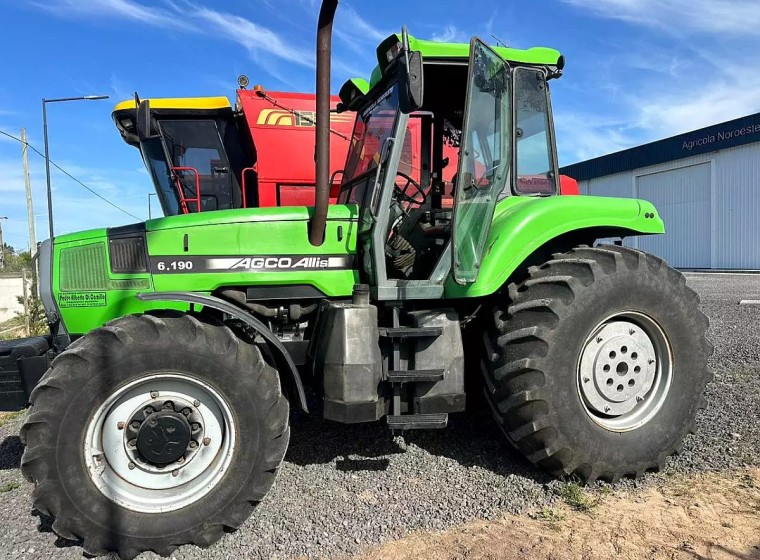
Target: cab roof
{"points": [[433, 50], [179, 103], [124, 113]]}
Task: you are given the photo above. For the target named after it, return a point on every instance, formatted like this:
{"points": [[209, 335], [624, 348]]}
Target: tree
{"points": [[16, 261]]}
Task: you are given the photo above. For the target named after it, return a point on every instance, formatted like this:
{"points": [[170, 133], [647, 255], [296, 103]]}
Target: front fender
{"points": [[273, 342], [521, 225]]}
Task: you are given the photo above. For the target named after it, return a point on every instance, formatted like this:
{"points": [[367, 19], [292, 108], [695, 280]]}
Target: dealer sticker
{"points": [[82, 299]]}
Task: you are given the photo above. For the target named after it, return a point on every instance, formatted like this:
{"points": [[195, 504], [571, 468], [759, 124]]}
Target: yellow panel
{"points": [[180, 103]]}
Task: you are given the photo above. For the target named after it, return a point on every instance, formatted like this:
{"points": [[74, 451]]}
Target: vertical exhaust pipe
{"points": [[322, 149]]}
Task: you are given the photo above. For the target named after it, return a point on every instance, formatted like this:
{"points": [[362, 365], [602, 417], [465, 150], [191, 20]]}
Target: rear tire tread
{"points": [[513, 369]]}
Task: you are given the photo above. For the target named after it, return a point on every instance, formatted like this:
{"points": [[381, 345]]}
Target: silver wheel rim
{"points": [[625, 371], [123, 476]]}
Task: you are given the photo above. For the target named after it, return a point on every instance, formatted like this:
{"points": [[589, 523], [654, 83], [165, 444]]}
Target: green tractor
{"points": [[181, 344]]}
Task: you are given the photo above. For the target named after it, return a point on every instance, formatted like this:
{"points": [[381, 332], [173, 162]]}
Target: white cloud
{"points": [[711, 16], [11, 179], [124, 9], [692, 70], [450, 34], [351, 27], [582, 136], [265, 46], [358, 34], [187, 17], [728, 97], [252, 36], [119, 88]]}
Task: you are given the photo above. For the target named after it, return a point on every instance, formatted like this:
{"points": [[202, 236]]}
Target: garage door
{"points": [[682, 196]]}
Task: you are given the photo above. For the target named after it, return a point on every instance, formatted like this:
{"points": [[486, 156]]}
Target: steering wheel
{"points": [[419, 198]]}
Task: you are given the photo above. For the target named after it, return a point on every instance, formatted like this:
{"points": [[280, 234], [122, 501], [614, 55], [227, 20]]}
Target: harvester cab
{"points": [[192, 149], [183, 342], [204, 154]]}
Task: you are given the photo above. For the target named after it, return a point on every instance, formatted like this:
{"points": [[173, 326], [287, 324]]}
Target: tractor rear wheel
{"points": [[598, 364], [153, 432]]}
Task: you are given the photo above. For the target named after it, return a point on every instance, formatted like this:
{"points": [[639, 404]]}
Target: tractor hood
{"points": [[270, 214], [97, 273]]}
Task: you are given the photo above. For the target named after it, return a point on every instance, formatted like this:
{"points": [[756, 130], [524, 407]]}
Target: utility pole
{"points": [[29, 203], [2, 245]]}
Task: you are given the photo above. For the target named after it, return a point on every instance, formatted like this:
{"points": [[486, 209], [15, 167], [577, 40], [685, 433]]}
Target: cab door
{"points": [[485, 158]]}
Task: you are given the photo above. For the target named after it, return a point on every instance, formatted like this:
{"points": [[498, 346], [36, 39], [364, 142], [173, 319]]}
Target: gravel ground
{"points": [[346, 487]]}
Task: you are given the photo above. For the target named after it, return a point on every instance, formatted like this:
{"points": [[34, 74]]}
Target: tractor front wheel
{"points": [[153, 432], [598, 364]]}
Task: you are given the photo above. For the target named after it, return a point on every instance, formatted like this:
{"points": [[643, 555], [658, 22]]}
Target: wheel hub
{"points": [[164, 434], [617, 368], [163, 437], [160, 443]]}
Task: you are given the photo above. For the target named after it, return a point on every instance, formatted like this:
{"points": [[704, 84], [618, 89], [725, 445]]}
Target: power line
{"points": [[69, 175]]}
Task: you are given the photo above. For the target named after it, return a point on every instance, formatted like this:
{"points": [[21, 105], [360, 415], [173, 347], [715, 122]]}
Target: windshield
{"points": [[373, 127], [153, 153]]}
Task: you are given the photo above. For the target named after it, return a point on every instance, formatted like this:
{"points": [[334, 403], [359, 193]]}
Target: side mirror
{"points": [[411, 83], [142, 120]]}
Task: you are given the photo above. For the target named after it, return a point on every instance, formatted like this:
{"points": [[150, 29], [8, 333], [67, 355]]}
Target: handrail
{"points": [[183, 200]]}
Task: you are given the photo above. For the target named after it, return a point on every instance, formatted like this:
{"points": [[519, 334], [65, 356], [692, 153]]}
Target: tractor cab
{"points": [[483, 118]]}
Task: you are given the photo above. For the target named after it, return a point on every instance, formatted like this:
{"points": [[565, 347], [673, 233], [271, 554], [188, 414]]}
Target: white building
{"points": [[706, 186]]}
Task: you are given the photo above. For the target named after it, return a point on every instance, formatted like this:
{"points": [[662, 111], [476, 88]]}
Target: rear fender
{"points": [[523, 225], [280, 353]]}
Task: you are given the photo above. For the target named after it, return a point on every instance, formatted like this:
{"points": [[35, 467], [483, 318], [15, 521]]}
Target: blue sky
{"points": [[637, 70]]}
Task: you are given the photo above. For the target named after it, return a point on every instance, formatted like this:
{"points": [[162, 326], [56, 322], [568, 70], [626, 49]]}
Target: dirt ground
{"points": [[711, 516]]}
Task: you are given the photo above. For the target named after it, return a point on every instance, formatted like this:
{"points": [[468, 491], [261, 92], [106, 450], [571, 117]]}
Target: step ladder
{"points": [[397, 377]]}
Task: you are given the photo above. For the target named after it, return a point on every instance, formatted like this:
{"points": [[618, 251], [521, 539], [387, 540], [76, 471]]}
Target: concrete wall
{"points": [[10, 288]]}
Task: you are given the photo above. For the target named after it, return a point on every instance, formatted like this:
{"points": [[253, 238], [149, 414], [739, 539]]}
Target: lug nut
{"points": [[153, 394], [196, 426], [181, 460], [175, 473], [196, 402], [132, 443], [148, 410], [120, 425], [186, 411], [193, 445], [135, 425], [206, 440], [168, 405], [131, 465]]}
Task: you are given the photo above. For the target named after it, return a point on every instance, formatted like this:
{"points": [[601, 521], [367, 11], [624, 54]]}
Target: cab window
{"points": [[535, 168]]}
